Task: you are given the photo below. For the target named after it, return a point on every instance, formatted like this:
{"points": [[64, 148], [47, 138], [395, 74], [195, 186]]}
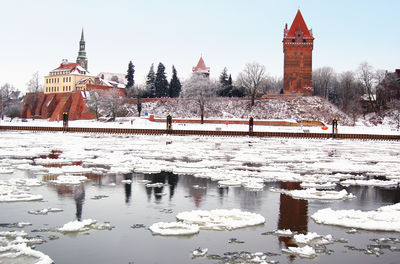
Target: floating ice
{"points": [[14, 248], [6, 170], [126, 181], [221, 219], [68, 180], [313, 193], [199, 252], [156, 184], [231, 183], [174, 229], [22, 251], [312, 238], [383, 219], [16, 194], [283, 232], [77, 226], [319, 186], [373, 182], [83, 226], [45, 211], [303, 252]]}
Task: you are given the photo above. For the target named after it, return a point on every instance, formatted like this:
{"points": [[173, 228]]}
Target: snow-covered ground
{"points": [[240, 160], [144, 123]]}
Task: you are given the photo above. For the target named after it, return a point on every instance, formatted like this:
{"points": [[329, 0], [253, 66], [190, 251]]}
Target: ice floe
{"points": [[199, 252], [13, 193], [15, 248], [45, 211], [303, 252], [83, 226], [319, 186], [315, 194], [68, 180], [372, 182], [12, 254], [221, 219], [385, 218], [312, 238], [174, 229]]}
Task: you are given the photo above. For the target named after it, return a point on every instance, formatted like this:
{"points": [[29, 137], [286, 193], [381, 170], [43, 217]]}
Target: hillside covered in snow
{"points": [[310, 108]]}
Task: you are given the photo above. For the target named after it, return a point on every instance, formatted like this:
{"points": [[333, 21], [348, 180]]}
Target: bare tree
{"points": [[349, 94], [367, 78], [13, 110], [322, 80], [34, 85], [252, 78], [94, 101], [112, 103], [201, 89]]}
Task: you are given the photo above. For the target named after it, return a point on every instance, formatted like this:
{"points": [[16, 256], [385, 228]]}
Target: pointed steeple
{"points": [[298, 25], [82, 59], [201, 68], [82, 37]]}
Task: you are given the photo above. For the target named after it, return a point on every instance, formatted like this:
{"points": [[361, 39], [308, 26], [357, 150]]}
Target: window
{"points": [[304, 40], [301, 53], [69, 79], [295, 54], [293, 40]]}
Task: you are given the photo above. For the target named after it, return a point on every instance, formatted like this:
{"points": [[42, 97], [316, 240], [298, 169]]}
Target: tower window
{"points": [[304, 40], [295, 54], [301, 53], [293, 40]]}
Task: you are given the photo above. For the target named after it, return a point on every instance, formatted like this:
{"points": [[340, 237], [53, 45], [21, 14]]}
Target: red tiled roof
{"points": [[66, 66], [200, 65], [298, 22]]}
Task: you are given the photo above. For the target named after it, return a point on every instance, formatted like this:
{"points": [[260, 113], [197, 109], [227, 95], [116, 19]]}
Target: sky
{"points": [[37, 35]]}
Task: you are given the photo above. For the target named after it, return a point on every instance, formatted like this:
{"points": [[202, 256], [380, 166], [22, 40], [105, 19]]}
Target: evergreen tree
{"points": [[223, 78], [130, 77], [225, 84], [150, 82], [175, 85], [161, 83]]}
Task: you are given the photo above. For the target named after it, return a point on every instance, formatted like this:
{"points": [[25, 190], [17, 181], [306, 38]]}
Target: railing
{"points": [[199, 132]]}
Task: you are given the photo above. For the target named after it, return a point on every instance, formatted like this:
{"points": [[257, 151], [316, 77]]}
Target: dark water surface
{"points": [[127, 205]]}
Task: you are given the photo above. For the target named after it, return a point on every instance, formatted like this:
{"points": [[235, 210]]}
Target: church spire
{"points": [[82, 59], [82, 37]]}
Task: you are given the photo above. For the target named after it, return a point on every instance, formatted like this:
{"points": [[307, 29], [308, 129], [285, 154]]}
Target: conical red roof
{"points": [[298, 22], [201, 65]]}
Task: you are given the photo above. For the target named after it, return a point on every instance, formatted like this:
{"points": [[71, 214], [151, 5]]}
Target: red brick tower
{"points": [[298, 44]]}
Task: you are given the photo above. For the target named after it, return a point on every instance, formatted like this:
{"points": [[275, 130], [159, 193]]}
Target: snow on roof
{"points": [[112, 76], [73, 68]]}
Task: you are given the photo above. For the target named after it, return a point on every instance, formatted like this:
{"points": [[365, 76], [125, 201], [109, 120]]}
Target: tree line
{"points": [[366, 87]]}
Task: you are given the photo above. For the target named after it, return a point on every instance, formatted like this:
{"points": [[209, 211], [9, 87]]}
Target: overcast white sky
{"points": [[37, 35]]}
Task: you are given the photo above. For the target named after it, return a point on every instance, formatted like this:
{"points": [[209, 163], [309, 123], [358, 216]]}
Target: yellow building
{"points": [[65, 78]]}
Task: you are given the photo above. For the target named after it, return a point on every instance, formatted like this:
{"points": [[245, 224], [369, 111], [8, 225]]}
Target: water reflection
{"points": [[79, 197], [373, 195], [292, 214], [128, 188], [163, 178]]}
